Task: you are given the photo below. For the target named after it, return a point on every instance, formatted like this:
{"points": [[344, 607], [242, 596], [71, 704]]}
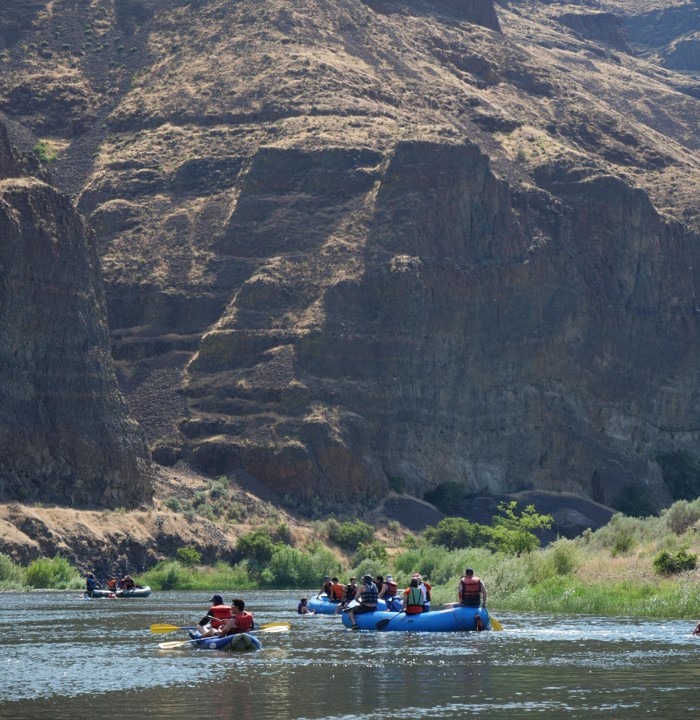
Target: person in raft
{"points": [[368, 600], [303, 607], [471, 591], [388, 592], [216, 617], [413, 598], [90, 585], [350, 592], [241, 621], [326, 587]]}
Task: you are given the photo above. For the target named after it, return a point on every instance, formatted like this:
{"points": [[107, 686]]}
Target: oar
{"points": [[270, 628], [383, 623], [162, 628]]}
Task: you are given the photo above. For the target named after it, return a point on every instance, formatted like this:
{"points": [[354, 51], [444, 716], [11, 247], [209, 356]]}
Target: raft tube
{"points": [[240, 642], [454, 619], [324, 606], [138, 592]]}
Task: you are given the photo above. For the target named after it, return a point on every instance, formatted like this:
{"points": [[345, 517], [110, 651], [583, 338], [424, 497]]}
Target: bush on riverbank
{"points": [[43, 573]]}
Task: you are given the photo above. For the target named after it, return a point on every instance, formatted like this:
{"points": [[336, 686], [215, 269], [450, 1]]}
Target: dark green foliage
{"points": [[257, 546], [189, 556], [667, 564], [681, 473], [349, 535], [455, 532]]}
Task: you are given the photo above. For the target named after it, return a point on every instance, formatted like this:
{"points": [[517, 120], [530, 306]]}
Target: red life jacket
{"points": [[244, 622], [471, 586], [221, 613]]}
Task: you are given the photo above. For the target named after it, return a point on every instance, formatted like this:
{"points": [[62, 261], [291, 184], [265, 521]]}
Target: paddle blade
{"points": [[495, 624], [382, 624], [162, 628], [174, 644], [280, 628], [284, 625]]}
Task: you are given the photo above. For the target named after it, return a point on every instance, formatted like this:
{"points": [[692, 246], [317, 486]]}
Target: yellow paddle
{"points": [[494, 623], [163, 628]]}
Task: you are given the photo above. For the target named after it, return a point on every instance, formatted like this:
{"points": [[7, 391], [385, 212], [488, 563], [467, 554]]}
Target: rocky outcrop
{"points": [[65, 432], [380, 245], [600, 27]]}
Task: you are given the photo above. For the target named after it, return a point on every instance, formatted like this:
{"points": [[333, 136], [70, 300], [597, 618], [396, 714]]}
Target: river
{"points": [[64, 657]]}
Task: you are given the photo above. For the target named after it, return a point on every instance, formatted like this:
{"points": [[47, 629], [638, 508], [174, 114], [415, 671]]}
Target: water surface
{"points": [[64, 657]]}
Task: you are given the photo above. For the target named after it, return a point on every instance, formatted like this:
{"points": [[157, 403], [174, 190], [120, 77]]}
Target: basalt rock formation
{"points": [[359, 246], [65, 433]]}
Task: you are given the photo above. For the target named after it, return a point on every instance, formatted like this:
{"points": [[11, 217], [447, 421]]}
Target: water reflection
{"points": [[63, 657]]}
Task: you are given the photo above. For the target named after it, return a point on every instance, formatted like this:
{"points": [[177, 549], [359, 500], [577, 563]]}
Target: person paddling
{"points": [[216, 617], [241, 621]]}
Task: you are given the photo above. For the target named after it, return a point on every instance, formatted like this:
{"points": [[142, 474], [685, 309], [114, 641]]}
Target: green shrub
{"points": [[189, 556], [681, 515], [456, 532], [667, 564], [257, 546], [55, 573], [45, 152], [11, 575], [350, 534], [370, 552], [173, 504]]}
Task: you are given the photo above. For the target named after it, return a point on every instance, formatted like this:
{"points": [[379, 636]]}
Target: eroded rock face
{"points": [[65, 433]]}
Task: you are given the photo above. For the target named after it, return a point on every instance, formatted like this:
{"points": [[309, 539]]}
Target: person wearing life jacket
{"points": [[388, 593], [326, 587], [128, 583], [337, 591], [241, 621], [90, 585], [471, 590], [368, 600], [413, 598], [350, 593], [427, 587], [216, 617], [112, 584]]}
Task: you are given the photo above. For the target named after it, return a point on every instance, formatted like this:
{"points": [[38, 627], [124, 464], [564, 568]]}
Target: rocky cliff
{"points": [[357, 246], [65, 432]]}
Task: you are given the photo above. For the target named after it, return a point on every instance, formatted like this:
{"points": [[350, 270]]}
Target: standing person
{"points": [[216, 617], [368, 600], [325, 588], [90, 585], [413, 598], [471, 591], [241, 621]]}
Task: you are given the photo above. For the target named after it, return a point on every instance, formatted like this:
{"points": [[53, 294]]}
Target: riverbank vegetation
{"points": [[632, 566]]}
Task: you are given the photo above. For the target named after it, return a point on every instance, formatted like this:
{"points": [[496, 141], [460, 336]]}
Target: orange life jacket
{"points": [[112, 584], [337, 592], [221, 613]]}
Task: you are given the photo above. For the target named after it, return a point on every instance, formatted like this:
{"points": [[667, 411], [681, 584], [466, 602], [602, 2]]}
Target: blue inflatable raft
{"points": [[454, 619]]}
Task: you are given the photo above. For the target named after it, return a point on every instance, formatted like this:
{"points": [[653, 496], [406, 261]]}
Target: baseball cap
{"points": [[217, 600]]}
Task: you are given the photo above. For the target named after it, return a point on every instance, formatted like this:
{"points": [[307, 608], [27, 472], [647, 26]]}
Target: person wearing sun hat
{"points": [[388, 592], [216, 616]]}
